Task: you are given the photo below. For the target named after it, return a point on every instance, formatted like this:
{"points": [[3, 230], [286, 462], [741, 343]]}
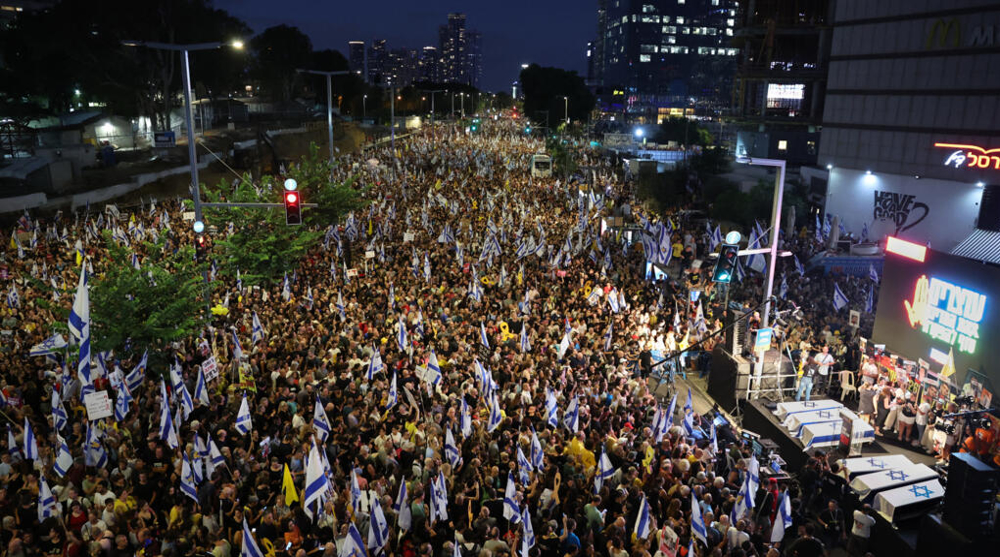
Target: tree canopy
{"points": [[546, 89]]}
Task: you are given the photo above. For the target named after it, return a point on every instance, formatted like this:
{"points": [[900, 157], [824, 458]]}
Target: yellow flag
{"points": [[79, 258], [288, 487], [949, 368], [370, 227]]}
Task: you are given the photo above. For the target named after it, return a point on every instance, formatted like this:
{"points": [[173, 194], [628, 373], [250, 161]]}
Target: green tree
{"points": [[262, 247], [683, 131], [279, 51], [162, 301], [334, 200]]}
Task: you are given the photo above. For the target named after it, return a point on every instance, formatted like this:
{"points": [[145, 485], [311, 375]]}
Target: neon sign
{"points": [[971, 156], [947, 312]]}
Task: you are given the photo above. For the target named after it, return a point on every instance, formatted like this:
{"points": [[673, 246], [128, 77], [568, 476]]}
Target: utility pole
{"points": [[329, 103]]}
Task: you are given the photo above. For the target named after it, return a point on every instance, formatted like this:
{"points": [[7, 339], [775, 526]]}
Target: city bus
{"points": [[541, 165]]}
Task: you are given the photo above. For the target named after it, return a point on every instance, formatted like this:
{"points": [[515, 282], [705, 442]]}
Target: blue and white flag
{"points": [[466, 420], [613, 301], [59, 416], [782, 519], [783, 289], [402, 508], [13, 298], [529, 532], [716, 237], [138, 374], [46, 501], [401, 341], [378, 529], [798, 266], [320, 422], [167, 431], [870, 300], [393, 393], [250, 547], [744, 501], [496, 416], [427, 268], [525, 343], [237, 347], [188, 485], [608, 337], [669, 417], [864, 232], [564, 345], [605, 471], [872, 274], [244, 421], [537, 455], [49, 346], [839, 298], [257, 333], [511, 509], [551, 409], [572, 417], [353, 545], [698, 529], [93, 451], [201, 388], [524, 467], [451, 451], [643, 522], [375, 364], [286, 289], [689, 404], [122, 402], [433, 369], [317, 484], [64, 458], [439, 498], [30, 443], [755, 261]]}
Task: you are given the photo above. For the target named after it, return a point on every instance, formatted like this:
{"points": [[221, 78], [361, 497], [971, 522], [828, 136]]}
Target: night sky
{"points": [[546, 32]]}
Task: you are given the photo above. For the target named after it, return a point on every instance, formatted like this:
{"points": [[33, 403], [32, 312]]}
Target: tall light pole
{"points": [[188, 116], [329, 102], [432, 101], [566, 108], [779, 191], [364, 108], [462, 98]]}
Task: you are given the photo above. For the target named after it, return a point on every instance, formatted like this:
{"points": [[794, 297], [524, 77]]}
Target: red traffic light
{"points": [[292, 197]]}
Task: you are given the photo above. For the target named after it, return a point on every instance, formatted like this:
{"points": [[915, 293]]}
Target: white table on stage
{"points": [[828, 434], [785, 409], [866, 464], [866, 485], [888, 503], [795, 422]]}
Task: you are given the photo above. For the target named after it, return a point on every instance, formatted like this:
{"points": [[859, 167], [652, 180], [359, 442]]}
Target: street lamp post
{"points": [[566, 108], [364, 108], [329, 102], [184, 49], [462, 99], [432, 101]]}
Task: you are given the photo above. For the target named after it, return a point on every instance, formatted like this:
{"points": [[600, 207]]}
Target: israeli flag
{"points": [[122, 402], [93, 451], [564, 345], [613, 301], [317, 484], [320, 422], [604, 471], [250, 547], [257, 333], [215, 457], [378, 529], [393, 393], [643, 522], [138, 374], [404, 517], [870, 300], [451, 451], [537, 455], [30, 443], [714, 440], [668, 419], [524, 467], [187, 405], [64, 458], [201, 388], [744, 503], [244, 421], [756, 261], [529, 531], [525, 343], [433, 369], [483, 338], [839, 298], [167, 432], [495, 414], [46, 502], [511, 510], [595, 296], [872, 274], [13, 298], [466, 423], [11, 441], [689, 405], [608, 337], [59, 416], [427, 268], [401, 342], [374, 363], [551, 408], [572, 417], [188, 486], [340, 307], [439, 492], [697, 521], [864, 232], [48, 346], [783, 518], [237, 347], [355, 492]]}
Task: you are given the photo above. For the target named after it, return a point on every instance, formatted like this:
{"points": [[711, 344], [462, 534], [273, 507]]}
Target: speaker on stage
{"points": [[968, 499]]}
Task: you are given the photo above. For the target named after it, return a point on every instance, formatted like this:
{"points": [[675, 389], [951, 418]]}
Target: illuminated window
{"points": [[706, 50], [644, 58], [648, 9], [685, 30], [782, 145], [729, 32], [649, 48], [680, 2], [730, 22], [715, 2], [680, 19], [665, 19], [669, 29]]}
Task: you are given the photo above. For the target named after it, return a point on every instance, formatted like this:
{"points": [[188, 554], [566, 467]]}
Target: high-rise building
{"points": [[378, 59], [911, 122], [402, 67], [781, 78], [461, 52], [654, 55], [357, 58], [429, 64]]}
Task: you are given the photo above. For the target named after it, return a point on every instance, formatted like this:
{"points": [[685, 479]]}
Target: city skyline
{"points": [[513, 33]]}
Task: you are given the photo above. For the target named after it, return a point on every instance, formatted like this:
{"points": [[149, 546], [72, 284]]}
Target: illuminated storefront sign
{"points": [[971, 156], [947, 312]]}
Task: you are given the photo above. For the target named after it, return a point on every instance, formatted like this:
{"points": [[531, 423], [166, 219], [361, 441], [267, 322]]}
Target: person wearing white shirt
{"points": [[861, 531], [825, 361]]}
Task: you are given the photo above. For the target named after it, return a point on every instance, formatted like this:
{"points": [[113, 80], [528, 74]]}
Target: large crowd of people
{"points": [[513, 418]]}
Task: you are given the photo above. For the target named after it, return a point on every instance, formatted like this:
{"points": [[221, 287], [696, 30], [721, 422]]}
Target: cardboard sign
{"points": [[98, 405], [211, 369], [352, 272], [855, 319], [369, 254], [187, 215], [407, 237]]}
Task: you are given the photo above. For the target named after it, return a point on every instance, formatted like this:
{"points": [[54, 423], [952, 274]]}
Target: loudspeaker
{"points": [[968, 499], [729, 377]]}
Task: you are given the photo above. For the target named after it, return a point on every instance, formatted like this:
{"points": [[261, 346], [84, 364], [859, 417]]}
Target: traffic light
{"points": [[725, 266], [475, 125], [527, 129], [200, 247], [293, 208]]}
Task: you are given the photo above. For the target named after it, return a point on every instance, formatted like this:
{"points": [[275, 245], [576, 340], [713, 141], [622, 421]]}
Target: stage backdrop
{"points": [[944, 302]]}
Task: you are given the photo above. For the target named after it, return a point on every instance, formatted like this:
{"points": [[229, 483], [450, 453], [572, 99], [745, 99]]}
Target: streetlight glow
{"points": [[237, 44]]}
